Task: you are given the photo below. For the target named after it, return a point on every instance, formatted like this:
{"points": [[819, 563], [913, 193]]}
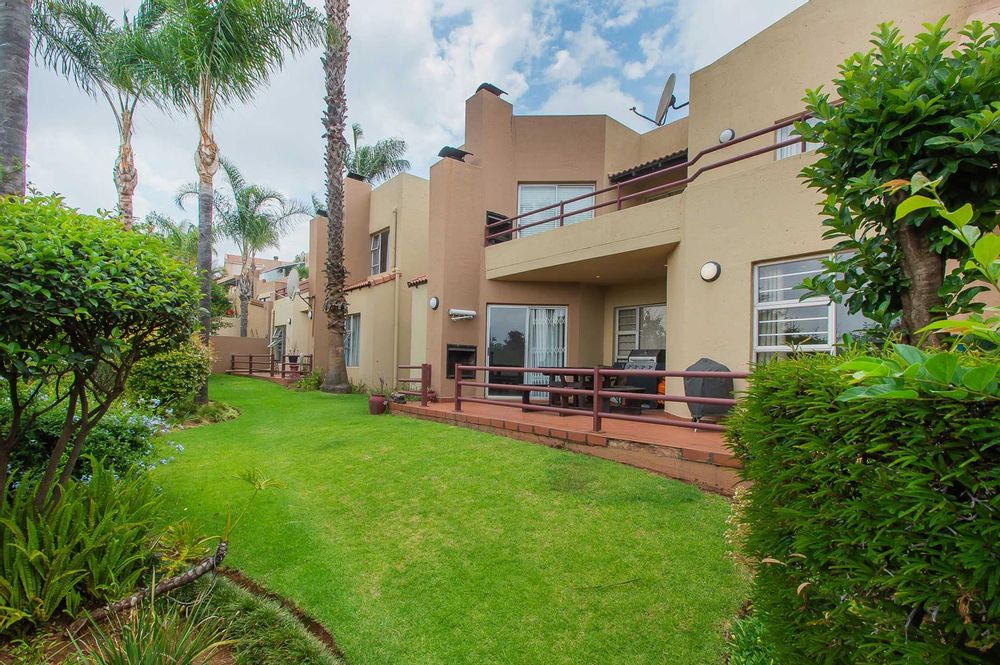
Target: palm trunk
{"points": [[244, 287], [335, 119], [15, 37], [126, 177], [207, 163]]}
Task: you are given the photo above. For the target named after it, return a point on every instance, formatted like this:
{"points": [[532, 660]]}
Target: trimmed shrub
{"points": [[171, 377], [91, 545], [874, 522]]}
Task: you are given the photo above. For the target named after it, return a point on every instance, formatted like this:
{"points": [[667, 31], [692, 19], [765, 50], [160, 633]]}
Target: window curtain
{"points": [[546, 342]]}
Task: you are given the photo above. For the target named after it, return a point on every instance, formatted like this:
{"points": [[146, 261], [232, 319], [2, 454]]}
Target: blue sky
{"points": [[412, 65]]}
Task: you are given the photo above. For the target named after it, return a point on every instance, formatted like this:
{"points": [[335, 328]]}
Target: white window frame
{"points": [[829, 347], [638, 326], [554, 211], [527, 377], [352, 340], [376, 251], [784, 133]]}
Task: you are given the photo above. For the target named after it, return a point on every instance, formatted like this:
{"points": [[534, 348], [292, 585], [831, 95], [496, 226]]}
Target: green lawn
{"points": [[416, 542]]}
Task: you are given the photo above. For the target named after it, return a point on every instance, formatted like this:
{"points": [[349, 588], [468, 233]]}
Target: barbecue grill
{"points": [[708, 387], [644, 359]]}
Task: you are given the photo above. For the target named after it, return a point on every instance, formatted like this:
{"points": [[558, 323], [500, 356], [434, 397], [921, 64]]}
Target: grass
{"points": [[417, 542]]}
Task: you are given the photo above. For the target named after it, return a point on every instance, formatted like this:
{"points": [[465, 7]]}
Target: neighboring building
{"points": [[590, 285]]}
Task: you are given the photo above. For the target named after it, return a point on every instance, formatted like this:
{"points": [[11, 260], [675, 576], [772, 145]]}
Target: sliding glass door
{"points": [[523, 336]]}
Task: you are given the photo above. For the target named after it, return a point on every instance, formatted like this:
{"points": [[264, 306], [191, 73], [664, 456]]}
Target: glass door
{"points": [[523, 336]]}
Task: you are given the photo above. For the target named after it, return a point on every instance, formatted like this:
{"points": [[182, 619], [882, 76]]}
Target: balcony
{"points": [[637, 222]]}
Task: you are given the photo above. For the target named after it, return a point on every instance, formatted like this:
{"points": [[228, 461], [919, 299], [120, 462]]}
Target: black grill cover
{"points": [[698, 387]]}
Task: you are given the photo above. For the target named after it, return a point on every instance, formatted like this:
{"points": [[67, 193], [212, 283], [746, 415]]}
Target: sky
{"points": [[412, 64]]}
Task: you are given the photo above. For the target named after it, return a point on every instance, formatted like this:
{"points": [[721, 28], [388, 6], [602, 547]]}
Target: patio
{"points": [[691, 455]]}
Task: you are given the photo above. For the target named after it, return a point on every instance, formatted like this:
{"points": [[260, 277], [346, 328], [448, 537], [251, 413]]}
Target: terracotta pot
{"points": [[377, 404]]}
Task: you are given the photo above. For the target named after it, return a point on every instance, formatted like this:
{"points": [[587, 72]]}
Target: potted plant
{"points": [[378, 400], [293, 362]]}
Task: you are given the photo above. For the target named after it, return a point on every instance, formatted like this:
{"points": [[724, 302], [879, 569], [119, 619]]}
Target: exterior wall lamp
{"points": [[726, 135], [710, 271], [433, 303]]}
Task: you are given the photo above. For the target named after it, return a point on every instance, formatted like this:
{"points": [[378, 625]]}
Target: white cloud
{"points": [[708, 29], [604, 96], [654, 49]]}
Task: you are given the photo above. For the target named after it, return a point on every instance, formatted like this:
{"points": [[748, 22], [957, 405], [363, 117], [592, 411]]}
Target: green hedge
{"points": [[171, 377], [876, 522]]}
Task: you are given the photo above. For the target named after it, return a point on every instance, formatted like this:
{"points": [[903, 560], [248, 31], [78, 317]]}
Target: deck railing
{"points": [[506, 229], [268, 365], [424, 380], [597, 395]]}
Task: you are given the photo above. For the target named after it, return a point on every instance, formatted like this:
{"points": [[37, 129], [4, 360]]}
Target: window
{"points": [[788, 132], [352, 339], [380, 252], [533, 197], [783, 322], [640, 327]]}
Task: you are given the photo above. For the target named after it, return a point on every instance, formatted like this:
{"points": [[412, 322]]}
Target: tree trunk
{"points": [[335, 119], [925, 270], [15, 37], [244, 288], [126, 177], [207, 163]]}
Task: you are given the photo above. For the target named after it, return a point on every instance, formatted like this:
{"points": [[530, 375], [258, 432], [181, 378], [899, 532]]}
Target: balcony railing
{"points": [[506, 229], [596, 398]]}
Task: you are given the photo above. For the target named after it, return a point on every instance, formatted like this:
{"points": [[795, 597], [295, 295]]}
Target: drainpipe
{"points": [[395, 296]]}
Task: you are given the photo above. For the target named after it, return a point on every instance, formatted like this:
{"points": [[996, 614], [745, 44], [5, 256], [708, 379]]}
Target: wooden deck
{"points": [[694, 456]]}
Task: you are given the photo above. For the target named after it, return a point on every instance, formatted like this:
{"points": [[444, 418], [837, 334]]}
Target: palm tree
{"points": [[80, 40], [378, 162], [210, 53], [334, 121], [15, 48], [255, 218], [181, 238]]}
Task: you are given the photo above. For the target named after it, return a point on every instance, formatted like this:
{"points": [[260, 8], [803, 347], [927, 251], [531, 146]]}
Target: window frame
{"points": [[379, 249], [352, 340], [798, 148], [638, 327], [541, 228], [830, 347]]}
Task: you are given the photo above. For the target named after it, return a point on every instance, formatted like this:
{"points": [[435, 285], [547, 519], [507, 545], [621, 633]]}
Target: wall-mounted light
{"points": [[289, 320], [433, 303], [726, 135], [309, 314], [710, 271]]}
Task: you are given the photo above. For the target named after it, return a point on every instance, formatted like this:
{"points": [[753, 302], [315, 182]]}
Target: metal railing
{"points": [[424, 393], [508, 228], [267, 364], [598, 395]]}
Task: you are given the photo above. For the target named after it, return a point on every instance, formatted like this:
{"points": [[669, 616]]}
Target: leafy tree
{"points": [[334, 121], [377, 162], [255, 218], [15, 49], [80, 40], [82, 301], [209, 54], [927, 106]]}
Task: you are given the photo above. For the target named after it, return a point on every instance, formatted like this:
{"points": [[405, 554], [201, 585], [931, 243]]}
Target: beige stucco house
{"points": [[461, 266]]}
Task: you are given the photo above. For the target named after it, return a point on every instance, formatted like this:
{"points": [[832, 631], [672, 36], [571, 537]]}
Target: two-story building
{"points": [[573, 240]]}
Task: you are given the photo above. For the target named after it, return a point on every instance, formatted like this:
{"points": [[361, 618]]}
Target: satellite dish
{"points": [[292, 286], [667, 102], [666, 99]]}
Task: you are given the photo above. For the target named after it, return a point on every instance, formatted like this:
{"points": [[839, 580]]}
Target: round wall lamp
{"points": [[434, 303], [726, 135], [710, 271]]}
